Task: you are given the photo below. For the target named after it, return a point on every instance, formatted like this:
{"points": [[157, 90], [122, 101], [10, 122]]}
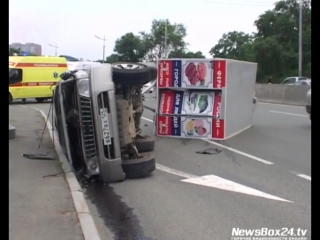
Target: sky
{"points": [[72, 25]]}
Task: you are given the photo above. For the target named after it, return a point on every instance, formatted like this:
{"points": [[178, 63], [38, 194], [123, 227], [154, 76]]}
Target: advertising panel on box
{"points": [[190, 127], [186, 102], [209, 125], [190, 98], [197, 73]]}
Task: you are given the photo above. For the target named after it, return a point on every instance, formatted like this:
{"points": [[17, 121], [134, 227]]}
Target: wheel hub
{"points": [[127, 66]]}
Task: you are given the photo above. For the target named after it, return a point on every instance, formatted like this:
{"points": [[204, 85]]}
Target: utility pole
{"points": [[166, 38], [300, 37], [55, 47], [104, 46]]}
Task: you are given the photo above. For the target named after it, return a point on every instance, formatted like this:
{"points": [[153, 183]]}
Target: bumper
{"points": [[308, 109]]}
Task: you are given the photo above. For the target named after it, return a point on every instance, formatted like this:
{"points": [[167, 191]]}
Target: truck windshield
{"points": [[15, 75]]}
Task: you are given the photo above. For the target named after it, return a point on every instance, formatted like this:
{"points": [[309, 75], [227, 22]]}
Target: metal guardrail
{"points": [[282, 94]]}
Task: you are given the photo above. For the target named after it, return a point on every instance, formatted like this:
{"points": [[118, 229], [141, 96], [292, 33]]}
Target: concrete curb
{"points": [[12, 132], [88, 226]]}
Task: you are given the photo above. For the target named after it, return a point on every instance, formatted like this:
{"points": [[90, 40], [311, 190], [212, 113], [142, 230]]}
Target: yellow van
{"points": [[34, 77]]}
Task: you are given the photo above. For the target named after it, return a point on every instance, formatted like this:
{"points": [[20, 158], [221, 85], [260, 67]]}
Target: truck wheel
{"points": [[10, 98], [144, 143], [142, 167], [132, 74], [40, 100]]}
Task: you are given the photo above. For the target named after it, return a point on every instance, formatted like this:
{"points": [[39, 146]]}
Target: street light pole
{"points": [[104, 45], [300, 37], [55, 47], [165, 39]]}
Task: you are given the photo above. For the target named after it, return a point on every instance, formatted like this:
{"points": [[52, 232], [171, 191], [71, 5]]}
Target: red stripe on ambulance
{"points": [[33, 84], [22, 64]]}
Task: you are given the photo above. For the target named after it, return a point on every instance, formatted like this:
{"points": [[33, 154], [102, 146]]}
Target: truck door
{"points": [[15, 83]]}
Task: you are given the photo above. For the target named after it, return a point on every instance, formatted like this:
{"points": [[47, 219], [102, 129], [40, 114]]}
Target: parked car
{"points": [[308, 105], [94, 119], [306, 82], [294, 80]]}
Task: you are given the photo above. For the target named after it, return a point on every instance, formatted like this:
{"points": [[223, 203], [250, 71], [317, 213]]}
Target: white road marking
{"points": [[239, 152], [287, 113], [218, 182], [304, 176], [174, 172], [147, 119], [88, 227], [281, 105], [224, 184], [231, 149]]}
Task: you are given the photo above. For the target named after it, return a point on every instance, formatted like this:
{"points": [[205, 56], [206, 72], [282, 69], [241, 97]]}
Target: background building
{"points": [[32, 48]]}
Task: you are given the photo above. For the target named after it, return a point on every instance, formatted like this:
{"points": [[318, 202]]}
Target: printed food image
{"points": [[192, 102], [191, 73], [197, 103], [203, 103], [202, 71], [196, 126], [196, 74]]}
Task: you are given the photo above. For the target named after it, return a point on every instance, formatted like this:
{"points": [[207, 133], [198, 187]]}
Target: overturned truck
{"points": [[97, 117]]}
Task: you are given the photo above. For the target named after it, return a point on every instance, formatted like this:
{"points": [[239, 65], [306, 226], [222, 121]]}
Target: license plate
{"points": [[105, 126]]}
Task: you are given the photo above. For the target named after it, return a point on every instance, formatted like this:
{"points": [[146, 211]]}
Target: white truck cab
{"points": [[94, 118]]}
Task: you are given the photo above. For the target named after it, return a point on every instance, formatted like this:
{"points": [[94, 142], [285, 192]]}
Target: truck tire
{"points": [[132, 74], [10, 98], [145, 144], [40, 100], [138, 168]]}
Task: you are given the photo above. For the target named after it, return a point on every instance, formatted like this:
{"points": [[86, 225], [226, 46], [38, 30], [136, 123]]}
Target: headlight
{"points": [[83, 83]]}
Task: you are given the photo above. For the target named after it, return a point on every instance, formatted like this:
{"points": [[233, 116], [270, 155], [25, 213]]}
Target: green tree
{"points": [[275, 45], [129, 48], [113, 58], [185, 54], [233, 45], [14, 51], [279, 28], [154, 41]]}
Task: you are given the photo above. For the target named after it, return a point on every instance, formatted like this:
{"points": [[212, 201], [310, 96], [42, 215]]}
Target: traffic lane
{"points": [[282, 139], [170, 209], [181, 154], [282, 108], [279, 179], [160, 160], [256, 149]]}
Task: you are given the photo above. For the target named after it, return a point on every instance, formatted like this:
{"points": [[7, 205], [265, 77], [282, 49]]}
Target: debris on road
{"points": [[210, 151], [38, 156]]}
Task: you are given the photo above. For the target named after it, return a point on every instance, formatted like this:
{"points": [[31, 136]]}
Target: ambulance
{"points": [[34, 77]]}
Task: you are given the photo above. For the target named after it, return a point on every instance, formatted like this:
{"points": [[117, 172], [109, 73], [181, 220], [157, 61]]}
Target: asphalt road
{"points": [[273, 157]]}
